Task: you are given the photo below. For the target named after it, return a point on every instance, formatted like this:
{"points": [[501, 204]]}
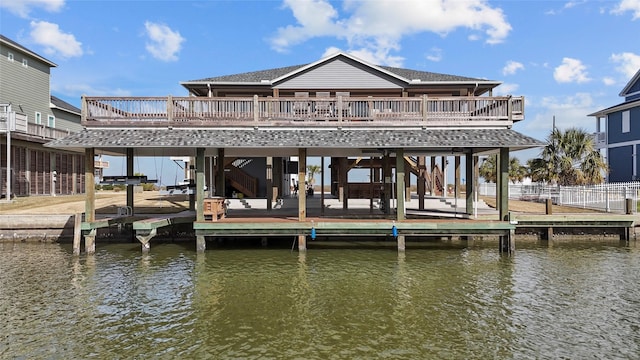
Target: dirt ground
{"points": [[151, 202], [106, 203]]}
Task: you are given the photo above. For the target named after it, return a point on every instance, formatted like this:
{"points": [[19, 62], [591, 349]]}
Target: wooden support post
{"points": [[322, 186], [302, 243], [89, 185], [387, 187], [220, 180], [77, 233], [503, 184], [422, 168], [456, 180], [507, 243], [469, 185], [201, 244], [433, 176], [278, 179], [130, 172], [401, 243], [199, 184], [90, 199], [344, 182], [269, 182], [302, 171], [90, 242], [400, 189], [145, 239]]}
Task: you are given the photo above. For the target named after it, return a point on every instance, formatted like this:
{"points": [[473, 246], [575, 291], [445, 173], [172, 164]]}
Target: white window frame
{"points": [[38, 118], [626, 121], [10, 57], [25, 63], [51, 121]]}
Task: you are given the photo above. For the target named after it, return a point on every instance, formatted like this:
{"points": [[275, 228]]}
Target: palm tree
{"points": [[569, 158], [489, 169], [312, 170]]}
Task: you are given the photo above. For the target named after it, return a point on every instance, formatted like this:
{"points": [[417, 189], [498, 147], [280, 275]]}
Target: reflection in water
{"points": [[445, 302]]}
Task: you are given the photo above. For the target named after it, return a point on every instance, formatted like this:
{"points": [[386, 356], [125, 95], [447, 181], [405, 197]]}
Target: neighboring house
{"points": [[618, 133], [243, 128], [30, 117]]}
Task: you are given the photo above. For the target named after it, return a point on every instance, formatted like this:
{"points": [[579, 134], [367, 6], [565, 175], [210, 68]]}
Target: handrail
{"points": [[264, 111]]}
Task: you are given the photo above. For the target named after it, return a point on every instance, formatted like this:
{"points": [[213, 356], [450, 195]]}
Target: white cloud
{"points": [[22, 8], [608, 81], [506, 89], [629, 63], [512, 67], [628, 5], [376, 27], [569, 111], [435, 54], [571, 70], [164, 43], [55, 41]]}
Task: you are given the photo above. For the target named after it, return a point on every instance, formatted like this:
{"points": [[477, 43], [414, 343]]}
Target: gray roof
{"points": [[261, 141], [61, 104], [270, 74]]}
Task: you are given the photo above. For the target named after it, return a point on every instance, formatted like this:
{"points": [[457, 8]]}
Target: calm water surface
{"points": [[443, 302]]}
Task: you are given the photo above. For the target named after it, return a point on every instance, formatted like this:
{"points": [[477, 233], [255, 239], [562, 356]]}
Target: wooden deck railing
{"points": [[18, 123], [253, 111]]}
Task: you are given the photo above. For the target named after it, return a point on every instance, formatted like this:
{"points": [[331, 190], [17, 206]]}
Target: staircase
{"points": [[435, 176], [241, 181]]}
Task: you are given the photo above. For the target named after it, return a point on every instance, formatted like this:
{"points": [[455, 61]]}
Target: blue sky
{"points": [[568, 58]]}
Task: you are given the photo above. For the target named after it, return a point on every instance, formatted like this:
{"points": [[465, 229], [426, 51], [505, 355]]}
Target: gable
{"points": [[340, 73], [632, 90]]}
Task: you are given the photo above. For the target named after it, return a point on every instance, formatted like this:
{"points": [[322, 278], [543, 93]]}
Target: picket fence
{"points": [[605, 197]]}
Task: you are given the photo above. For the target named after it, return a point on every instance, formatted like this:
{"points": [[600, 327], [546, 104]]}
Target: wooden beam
{"points": [[200, 184], [503, 184]]}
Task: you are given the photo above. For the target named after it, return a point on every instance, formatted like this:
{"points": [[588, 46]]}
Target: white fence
{"points": [[605, 197]]}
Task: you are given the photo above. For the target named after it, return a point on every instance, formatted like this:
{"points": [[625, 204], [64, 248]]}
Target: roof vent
{"points": [[265, 81]]}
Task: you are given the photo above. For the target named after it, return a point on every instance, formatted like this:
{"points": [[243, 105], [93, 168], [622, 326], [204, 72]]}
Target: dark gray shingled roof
{"points": [[270, 74], [61, 104], [297, 138]]}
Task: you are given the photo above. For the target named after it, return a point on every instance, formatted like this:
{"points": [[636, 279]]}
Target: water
{"points": [[569, 301]]}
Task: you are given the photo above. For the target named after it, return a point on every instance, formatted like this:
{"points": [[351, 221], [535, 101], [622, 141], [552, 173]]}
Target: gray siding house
{"points": [[618, 134], [29, 118]]}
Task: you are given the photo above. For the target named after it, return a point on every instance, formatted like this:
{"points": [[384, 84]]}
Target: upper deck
{"points": [[423, 111]]}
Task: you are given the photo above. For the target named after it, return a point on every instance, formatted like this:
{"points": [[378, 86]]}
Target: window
{"points": [[25, 63], [10, 56], [51, 121], [38, 118], [626, 121]]}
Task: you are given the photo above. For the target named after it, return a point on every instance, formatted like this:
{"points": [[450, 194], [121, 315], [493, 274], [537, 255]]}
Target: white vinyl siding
{"points": [[626, 121]]}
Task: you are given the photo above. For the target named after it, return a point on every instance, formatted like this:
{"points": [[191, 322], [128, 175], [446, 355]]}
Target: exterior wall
{"points": [[33, 167], [29, 99], [634, 90], [614, 127], [339, 74], [620, 161], [67, 121]]}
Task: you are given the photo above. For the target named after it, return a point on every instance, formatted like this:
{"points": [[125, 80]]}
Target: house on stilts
{"points": [[243, 130]]}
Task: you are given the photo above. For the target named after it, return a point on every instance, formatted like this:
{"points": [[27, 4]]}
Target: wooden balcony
{"points": [[17, 123], [338, 111]]}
